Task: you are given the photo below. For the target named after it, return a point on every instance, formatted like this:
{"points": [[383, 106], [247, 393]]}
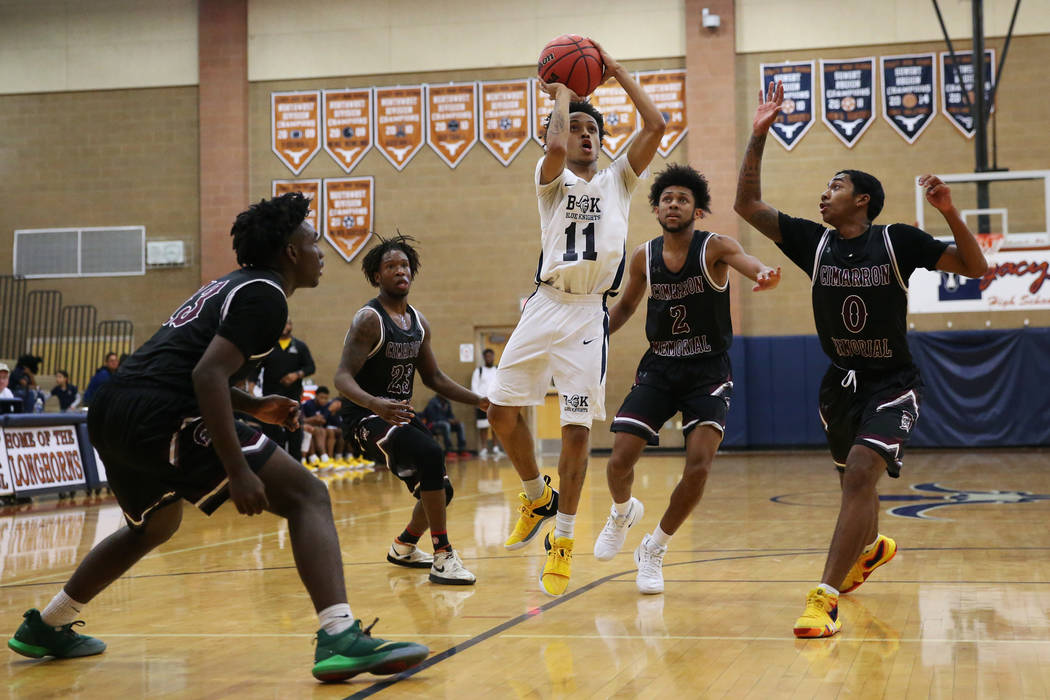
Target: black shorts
{"points": [[879, 412], [406, 450], [700, 388], [154, 455]]}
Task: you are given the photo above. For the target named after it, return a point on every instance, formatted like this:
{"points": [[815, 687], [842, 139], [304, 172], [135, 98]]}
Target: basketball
{"points": [[573, 61]]}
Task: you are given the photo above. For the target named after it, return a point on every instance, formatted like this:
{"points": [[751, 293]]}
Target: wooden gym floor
{"points": [[962, 612]]}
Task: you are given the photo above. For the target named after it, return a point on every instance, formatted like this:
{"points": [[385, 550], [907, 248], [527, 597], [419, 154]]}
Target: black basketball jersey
{"points": [[247, 307], [688, 312], [390, 370]]}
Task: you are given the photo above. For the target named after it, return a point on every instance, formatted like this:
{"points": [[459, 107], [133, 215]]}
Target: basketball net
{"points": [[990, 242]]}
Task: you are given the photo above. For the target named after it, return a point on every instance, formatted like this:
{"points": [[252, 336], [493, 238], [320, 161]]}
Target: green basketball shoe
{"points": [[36, 639], [355, 651]]}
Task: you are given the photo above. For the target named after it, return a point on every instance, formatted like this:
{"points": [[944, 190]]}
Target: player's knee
{"points": [[161, 526], [697, 470], [502, 418], [862, 472]]}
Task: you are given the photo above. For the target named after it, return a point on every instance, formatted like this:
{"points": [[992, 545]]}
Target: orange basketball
{"points": [[574, 61]]}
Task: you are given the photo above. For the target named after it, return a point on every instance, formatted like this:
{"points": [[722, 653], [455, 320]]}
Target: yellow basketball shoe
{"points": [[883, 550], [821, 618], [555, 577], [533, 515]]}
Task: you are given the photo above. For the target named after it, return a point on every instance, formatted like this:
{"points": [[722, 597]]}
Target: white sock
{"points": [[828, 589], [534, 488], [336, 618], [564, 525], [872, 545], [622, 508], [61, 610], [660, 538]]}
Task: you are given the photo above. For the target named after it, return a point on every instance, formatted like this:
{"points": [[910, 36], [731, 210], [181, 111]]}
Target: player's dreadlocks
{"points": [[678, 175], [265, 228], [371, 262]]}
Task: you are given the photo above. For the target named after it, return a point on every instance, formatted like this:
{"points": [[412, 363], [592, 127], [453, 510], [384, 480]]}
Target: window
{"points": [[80, 252]]}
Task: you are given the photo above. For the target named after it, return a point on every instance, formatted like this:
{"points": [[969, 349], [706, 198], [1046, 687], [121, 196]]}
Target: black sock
{"points": [[407, 537], [440, 540]]}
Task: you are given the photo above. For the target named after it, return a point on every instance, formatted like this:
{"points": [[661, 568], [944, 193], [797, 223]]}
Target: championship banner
{"points": [[796, 114], [667, 90], [398, 118], [505, 118], [847, 92], [295, 119], [909, 97], [953, 104], [311, 189], [40, 457], [620, 114], [1016, 280], [347, 125], [542, 106], [452, 124], [349, 213]]}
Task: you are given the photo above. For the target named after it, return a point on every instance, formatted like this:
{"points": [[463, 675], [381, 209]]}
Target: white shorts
{"points": [[560, 336]]}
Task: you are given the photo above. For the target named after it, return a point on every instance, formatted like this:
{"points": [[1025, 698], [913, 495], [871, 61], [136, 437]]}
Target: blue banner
{"points": [[847, 91], [909, 96], [957, 76], [796, 115]]}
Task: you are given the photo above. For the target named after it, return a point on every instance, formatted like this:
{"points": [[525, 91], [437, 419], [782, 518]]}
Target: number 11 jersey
{"points": [[584, 229]]}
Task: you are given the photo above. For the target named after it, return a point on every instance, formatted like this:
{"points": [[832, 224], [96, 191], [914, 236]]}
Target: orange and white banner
{"points": [[348, 213], [295, 119], [37, 458], [542, 106], [620, 115], [398, 117], [667, 90], [505, 118], [347, 125], [452, 120], [311, 189]]}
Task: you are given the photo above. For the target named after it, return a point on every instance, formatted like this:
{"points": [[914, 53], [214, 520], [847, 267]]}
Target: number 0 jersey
{"points": [[584, 228], [390, 370]]}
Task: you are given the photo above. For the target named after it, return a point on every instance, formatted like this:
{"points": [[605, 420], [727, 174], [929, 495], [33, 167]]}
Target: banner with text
{"points": [[1016, 280], [796, 115], [621, 117], [957, 76], [311, 189], [295, 119], [452, 124], [347, 125], [398, 119], [847, 92], [542, 106], [909, 96], [505, 118], [349, 213], [667, 90], [41, 457]]}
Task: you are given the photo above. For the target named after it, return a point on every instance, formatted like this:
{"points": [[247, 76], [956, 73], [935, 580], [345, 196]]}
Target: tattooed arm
{"points": [[749, 204], [556, 140]]}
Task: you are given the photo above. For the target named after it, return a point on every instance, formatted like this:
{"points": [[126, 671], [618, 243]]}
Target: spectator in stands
{"points": [[441, 421], [23, 383], [315, 414], [480, 382], [5, 375], [102, 375], [68, 396], [283, 372]]}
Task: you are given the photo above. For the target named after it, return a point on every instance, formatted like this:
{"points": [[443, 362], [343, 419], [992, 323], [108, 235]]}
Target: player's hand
{"points": [[393, 412], [278, 410], [937, 193], [484, 404], [553, 88], [768, 278], [290, 378], [612, 66], [248, 493], [768, 107]]}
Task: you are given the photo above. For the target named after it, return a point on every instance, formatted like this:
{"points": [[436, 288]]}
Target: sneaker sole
{"points": [[814, 632], [637, 516], [408, 564], [331, 671], [870, 571], [532, 534], [641, 590], [452, 581], [33, 652]]}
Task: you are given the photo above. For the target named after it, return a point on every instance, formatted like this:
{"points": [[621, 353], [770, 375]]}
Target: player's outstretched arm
{"points": [[725, 251], [556, 140], [363, 335], [632, 293], [644, 146], [211, 377], [440, 382], [749, 204], [965, 257]]}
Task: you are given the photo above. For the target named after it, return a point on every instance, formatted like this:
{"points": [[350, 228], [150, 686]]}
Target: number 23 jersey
{"points": [[584, 228]]}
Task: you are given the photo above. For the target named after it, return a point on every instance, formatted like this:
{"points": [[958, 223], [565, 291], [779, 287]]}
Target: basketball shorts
{"points": [[154, 454], [700, 388], [482, 418], [878, 410], [564, 337], [409, 451]]}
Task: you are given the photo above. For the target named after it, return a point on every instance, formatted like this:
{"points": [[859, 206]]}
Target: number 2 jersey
{"points": [[860, 287], [390, 370], [584, 228]]}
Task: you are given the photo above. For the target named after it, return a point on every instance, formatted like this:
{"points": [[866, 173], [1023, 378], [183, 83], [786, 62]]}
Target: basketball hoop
{"points": [[990, 242]]}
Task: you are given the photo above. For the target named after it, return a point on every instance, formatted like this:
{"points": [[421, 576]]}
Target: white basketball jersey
{"points": [[584, 227]]}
